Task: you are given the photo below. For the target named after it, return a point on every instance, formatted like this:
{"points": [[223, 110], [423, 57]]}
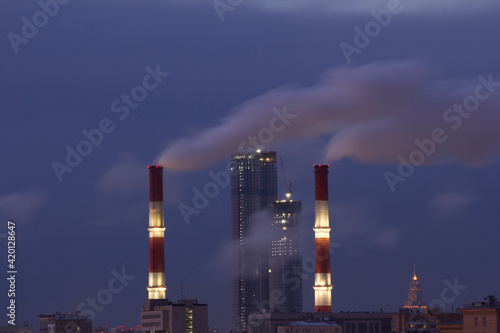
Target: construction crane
{"points": [[287, 186]]}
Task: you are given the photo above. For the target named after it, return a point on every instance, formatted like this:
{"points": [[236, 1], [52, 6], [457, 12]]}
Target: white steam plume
{"points": [[374, 113]]}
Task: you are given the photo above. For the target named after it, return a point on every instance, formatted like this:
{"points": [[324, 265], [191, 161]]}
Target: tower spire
{"points": [[414, 294]]}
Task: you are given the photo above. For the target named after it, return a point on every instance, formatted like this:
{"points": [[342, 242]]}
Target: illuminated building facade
{"points": [[163, 316], [415, 317], [285, 262], [414, 294], [253, 189]]}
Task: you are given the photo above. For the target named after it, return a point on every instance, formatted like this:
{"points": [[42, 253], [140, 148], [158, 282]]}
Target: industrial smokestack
{"points": [[156, 283], [322, 278]]}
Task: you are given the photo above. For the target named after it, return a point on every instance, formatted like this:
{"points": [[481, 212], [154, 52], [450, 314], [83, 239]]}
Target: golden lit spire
{"points": [[414, 294]]}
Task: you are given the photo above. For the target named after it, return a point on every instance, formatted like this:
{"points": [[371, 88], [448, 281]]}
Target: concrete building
{"points": [[16, 329], [350, 322], [163, 316], [65, 323], [253, 189], [482, 317], [478, 317], [310, 327]]}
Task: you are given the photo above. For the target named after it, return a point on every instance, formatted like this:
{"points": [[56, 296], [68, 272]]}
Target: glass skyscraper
{"points": [[285, 262], [265, 232], [253, 190]]}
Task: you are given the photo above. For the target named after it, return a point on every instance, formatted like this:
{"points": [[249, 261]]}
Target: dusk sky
{"points": [[361, 85]]}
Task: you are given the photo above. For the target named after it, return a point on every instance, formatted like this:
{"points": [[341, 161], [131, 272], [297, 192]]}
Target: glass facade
{"points": [[285, 262], [253, 190]]}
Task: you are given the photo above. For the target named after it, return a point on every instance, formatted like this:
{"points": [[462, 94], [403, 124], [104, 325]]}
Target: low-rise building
{"points": [[350, 322], [117, 329], [424, 321], [451, 327], [16, 329], [310, 327], [478, 317], [482, 317], [185, 316], [65, 323], [100, 329]]}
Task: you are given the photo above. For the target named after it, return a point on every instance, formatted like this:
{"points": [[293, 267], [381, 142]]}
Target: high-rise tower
{"points": [[156, 281], [253, 189], [322, 277], [285, 262], [414, 294]]}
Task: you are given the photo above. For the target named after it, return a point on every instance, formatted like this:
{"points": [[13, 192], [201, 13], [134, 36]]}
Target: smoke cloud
{"points": [[21, 206], [376, 113]]}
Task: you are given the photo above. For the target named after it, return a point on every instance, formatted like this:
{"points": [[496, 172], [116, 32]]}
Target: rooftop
{"points": [[489, 302], [311, 323], [64, 316]]}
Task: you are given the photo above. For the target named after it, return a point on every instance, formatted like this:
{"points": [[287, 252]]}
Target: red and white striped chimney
{"points": [[322, 278], [156, 283]]}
